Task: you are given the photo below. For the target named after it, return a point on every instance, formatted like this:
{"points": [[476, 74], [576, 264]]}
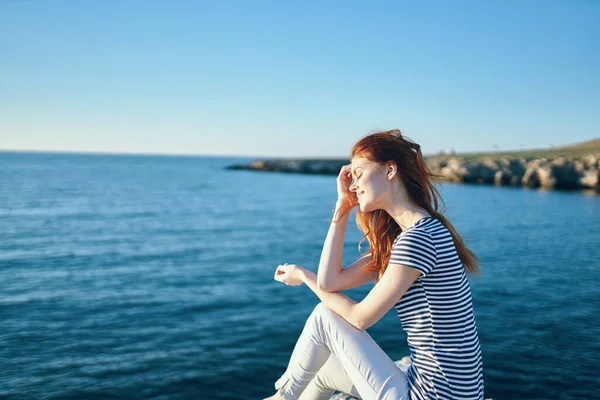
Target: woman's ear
{"points": [[391, 169]]}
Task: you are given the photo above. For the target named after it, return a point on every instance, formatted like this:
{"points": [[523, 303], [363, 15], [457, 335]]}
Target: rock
{"points": [[481, 172], [589, 179], [517, 167], [591, 160], [258, 164], [342, 396], [511, 173], [579, 166], [502, 178], [538, 174], [451, 175], [530, 177], [564, 174], [455, 170], [546, 177], [455, 163], [322, 167], [559, 173], [403, 364], [436, 164]]}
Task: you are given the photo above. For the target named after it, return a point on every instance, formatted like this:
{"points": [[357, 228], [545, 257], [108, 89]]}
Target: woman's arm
{"points": [[331, 277], [351, 276], [383, 296], [330, 264]]}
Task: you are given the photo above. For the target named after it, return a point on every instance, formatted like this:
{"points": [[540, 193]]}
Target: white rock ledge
{"points": [[403, 364]]}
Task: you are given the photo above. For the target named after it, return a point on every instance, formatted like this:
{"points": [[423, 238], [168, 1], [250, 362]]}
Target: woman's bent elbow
{"points": [[324, 286], [361, 325]]}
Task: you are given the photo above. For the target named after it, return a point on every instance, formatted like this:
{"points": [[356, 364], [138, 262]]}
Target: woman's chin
{"points": [[364, 207]]}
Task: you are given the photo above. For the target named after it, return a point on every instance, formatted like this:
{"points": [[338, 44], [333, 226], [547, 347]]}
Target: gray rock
{"points": [[403, 364], [564, 174], [481, 172], [455, 163], [501, 178], [451, 174], [511, 172], [517, 167], [530, 177], [546, 177], [591, 160], [589, 179]]}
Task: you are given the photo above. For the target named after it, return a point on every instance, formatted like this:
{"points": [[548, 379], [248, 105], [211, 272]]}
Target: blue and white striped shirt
{"points": [[436, 312]]}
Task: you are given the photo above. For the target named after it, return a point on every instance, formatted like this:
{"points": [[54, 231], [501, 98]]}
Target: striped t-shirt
{"points": [[436, 312]]}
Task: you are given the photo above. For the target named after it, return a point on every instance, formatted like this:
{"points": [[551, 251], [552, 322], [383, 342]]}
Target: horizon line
{"points": [[191, 155]]}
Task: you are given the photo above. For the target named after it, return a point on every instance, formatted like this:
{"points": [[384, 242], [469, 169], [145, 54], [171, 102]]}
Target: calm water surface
{"points": [[139, 277]]}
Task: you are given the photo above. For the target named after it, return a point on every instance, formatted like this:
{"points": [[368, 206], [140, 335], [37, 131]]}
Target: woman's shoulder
{"points": [[414, 236], [430, 225], [420, 228]]}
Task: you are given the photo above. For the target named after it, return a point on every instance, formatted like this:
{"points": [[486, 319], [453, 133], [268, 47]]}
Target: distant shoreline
{"points": [[574, 167]]}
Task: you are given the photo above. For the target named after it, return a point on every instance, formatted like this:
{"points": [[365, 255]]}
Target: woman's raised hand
{"points": [[344, 180]]}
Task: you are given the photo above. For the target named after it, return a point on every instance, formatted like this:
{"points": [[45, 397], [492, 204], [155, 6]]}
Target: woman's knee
{"points": [[325, 315], [321, 310]]}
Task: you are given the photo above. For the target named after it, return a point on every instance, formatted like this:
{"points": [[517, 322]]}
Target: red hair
{"points": [[379, 228]]}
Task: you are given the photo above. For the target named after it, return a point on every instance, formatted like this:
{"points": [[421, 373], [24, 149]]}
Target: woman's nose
{"points": [[352, 186]]}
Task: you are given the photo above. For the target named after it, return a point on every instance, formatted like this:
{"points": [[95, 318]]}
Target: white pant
{"points": [[331, 355]]}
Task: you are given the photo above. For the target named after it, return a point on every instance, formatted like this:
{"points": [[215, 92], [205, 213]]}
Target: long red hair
{"points": [[379, 228]]}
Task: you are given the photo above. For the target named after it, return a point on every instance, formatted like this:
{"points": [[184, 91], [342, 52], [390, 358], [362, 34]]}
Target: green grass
{"points": [[575, 150]]}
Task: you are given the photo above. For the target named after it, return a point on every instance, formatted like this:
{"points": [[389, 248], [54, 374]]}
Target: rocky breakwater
{"points": [[558, 172], [306, 166]]}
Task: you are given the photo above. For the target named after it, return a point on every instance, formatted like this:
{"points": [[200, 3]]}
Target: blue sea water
{"points": [[146, 277]]}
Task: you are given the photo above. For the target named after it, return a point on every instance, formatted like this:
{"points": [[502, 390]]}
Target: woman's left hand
{"points": [[290, 274]]}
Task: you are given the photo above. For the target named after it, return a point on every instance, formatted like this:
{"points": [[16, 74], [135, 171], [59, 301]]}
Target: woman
{"points": [[418, 262]]}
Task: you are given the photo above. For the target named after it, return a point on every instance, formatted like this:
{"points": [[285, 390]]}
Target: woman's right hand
{"points": [[344, 180]]}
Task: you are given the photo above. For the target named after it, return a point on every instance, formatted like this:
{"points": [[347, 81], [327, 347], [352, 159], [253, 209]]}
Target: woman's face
{"points": [[370, 182]]}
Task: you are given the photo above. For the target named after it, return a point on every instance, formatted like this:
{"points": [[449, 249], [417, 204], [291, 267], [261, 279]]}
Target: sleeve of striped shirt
{"points": [[415, 249]]}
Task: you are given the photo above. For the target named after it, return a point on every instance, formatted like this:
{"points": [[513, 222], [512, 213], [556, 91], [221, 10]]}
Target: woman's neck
{"points": [[406, 214], [409, 217], [403, 210]]}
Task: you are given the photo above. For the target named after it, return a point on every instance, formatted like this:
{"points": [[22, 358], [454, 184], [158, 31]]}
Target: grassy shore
{"points": [[574, 150]]}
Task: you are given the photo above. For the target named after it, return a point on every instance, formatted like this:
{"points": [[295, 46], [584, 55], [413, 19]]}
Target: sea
{"points": [[151, 277]]}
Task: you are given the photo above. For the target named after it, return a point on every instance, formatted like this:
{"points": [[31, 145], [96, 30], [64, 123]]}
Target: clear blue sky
{"points": [[302, 78]]}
